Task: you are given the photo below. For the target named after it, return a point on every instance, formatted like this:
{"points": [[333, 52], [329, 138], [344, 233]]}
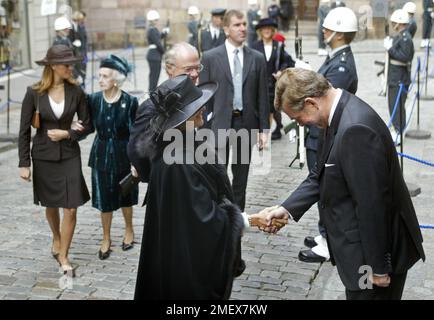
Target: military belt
{"points": [[399, 63]]}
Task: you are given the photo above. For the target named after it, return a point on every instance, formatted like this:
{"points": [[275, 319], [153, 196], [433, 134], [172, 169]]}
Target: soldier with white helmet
{"points": [[340, 27], [63, 27], [253, 17], [428, 15], [192, 26], [156, 48], [401, 52], [410, 8]]}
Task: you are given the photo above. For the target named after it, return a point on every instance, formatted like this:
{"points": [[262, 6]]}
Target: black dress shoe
{"points": [[310, 256], [127, 246], [310, 242], [276, 135], [106, 254]]}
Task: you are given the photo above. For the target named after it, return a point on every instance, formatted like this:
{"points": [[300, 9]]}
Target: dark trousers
{"points": [[154, 74], [311, 156], [240, 170], [392, 292], [427, 25], [393, 94]]}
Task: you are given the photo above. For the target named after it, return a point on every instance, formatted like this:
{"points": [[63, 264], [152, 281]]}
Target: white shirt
{"points": [[230, 50], [215, 32], [333, 52], [268, 48], [334, 106], [57, 108]]}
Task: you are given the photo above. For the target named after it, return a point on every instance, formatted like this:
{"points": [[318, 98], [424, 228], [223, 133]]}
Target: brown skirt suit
{"points": [[57, 176]]}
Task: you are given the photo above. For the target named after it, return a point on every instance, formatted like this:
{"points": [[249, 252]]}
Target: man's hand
{"points": [[77, 125], [388, 43], [380, 281], [276, 212], [260, 220], [134, 172], [262, 140], [57, 135], [25, 174]]}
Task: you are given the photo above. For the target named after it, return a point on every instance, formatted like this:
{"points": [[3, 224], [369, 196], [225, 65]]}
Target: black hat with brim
{"points": [[178, 99], [59, 54], [267, 22]]}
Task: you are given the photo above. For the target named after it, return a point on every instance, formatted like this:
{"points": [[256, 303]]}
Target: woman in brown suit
{"points": [[57, 177]]}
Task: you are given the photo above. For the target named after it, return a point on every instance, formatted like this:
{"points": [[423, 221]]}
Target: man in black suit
{"points": [[214, 35], [365, 205], [241, 101]]}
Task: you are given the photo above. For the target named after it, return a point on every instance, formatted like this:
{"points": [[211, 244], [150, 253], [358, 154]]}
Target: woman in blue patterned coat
{"points": [[113, 112]]}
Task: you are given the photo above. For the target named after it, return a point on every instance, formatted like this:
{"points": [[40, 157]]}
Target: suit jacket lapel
{"points": [[224, 63], [247, 63]]}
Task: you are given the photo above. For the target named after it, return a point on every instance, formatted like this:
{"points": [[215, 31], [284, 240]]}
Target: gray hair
{"points": [[178, 49], [118, 77]]}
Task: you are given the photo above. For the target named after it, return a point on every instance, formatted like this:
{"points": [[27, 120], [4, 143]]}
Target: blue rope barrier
{"points": [[426, 227], [398, 98], [416, 159]]}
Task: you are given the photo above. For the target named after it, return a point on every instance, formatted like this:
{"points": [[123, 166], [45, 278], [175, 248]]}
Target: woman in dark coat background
{"points": [[192, 228], [113, 112], [57, 177], [277, 60]]}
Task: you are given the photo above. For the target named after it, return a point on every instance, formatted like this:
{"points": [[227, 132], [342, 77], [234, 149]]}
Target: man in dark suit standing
{"points": [[366, 208], [214, 35], [241, 101]]}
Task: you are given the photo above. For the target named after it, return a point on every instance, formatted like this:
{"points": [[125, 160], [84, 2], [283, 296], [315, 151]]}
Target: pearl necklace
{"points": [[114, 98]]}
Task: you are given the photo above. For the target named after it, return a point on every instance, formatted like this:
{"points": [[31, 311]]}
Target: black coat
{"points": [[279, 61], [365, 205], [190, 234], [403, 51], [154, 37], [43, 148], [207, 42]]}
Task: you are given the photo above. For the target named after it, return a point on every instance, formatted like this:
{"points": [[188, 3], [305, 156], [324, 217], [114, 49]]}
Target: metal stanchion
{"points": [[135, 91], [426, 96], [418, 134], [9, 100]]}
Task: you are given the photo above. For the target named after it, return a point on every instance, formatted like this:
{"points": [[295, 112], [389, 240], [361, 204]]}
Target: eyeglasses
{"points": [[190, 69]]}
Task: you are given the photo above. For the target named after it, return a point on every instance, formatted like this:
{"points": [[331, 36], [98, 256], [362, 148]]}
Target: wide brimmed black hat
{"points": [[266, 22], [59, 54], [177, 100]]}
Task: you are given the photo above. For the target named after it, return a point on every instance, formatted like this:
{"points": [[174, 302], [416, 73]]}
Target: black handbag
{"points": [[127, 184]]}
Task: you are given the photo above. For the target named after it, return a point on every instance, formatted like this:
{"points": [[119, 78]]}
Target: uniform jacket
{"points": [[192, 33], [154, 37], [43, 148], [402, 50], [412, 27], [340, 71], [112, 125], [365, 205], [255, 89], [207, 43]]}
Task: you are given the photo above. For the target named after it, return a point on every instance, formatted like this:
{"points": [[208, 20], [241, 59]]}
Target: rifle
{"points": [[386, 63], [301, 149], [166, 34], [199, 35]]}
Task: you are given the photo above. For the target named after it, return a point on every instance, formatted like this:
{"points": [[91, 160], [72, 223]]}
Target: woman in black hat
{"points": [[192, 228], [57, 177], [113, 112], [277, 60]]}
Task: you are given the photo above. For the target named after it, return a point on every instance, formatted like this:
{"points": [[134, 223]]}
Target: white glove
{"points": [[166, 30], [77, 43], [432, 15], [388, 43], [302, 65]]}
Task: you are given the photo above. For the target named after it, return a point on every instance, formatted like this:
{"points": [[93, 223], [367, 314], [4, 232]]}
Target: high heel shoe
{"points": [[106, 254], [68, 270], [128, 246]]}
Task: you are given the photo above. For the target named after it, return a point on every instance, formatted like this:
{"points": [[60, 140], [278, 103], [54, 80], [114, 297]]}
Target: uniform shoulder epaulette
{"points": [[343, 57]]}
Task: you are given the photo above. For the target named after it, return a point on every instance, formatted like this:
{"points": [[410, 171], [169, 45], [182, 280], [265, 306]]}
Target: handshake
{"points": [[270, 219]]}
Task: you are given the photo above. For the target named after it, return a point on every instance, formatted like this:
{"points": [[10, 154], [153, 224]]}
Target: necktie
{"points": [[237, 79]]}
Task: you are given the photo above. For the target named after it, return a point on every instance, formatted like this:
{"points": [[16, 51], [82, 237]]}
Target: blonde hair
{"points": [[295, 85], [47, 80], [259, 33]]}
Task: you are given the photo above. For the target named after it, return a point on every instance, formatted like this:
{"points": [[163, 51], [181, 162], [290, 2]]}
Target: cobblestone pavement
{"points": [[27, 270]]}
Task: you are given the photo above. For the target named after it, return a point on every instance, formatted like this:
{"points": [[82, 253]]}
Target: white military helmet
{"points": [[152, 15], [193, 10], [341, 19], [62, 23], [410, 7], [400, 16], [252, 2]]}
